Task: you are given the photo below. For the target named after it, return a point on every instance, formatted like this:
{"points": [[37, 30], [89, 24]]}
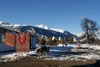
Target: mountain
{"points": [[97, 34], [79, 34], [48, 28], [38, 30]]}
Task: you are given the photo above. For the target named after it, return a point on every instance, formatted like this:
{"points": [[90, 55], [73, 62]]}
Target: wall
{"points": [[4, 47], [33, 42]]}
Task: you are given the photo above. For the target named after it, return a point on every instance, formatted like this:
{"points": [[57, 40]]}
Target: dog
{"points": [[42, 50]]}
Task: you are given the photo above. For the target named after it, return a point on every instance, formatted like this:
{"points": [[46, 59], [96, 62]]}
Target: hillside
{"points": [[97, 34], [38, 30]]}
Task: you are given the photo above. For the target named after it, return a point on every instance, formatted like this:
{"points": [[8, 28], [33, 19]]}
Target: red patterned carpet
{"points": [[23, 42], [10, 39]]}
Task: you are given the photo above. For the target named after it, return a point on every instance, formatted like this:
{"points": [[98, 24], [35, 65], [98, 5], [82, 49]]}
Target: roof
{"points": [[8, 29], [17, 31]]}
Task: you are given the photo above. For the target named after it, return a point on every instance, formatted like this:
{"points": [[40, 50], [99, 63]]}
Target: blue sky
{"points": [[52, 13]]}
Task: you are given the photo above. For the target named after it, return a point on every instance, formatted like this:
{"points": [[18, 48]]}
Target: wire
{"points": [[78, 16]]}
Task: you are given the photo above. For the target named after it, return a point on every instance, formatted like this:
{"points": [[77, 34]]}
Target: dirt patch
{"points": [[32, 61]]}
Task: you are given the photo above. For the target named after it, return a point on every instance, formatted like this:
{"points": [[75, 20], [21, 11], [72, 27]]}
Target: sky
{"points": [[59, 14]]}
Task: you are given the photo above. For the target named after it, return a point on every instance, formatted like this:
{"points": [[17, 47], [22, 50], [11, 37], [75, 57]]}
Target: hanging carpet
{"points": [[23, 42], [10, 39]]}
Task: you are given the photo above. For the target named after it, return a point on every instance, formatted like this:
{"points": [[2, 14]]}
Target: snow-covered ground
{"points": [[68, 52]]}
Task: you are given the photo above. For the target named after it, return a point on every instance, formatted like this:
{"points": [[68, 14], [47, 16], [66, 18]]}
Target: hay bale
{"points": [[63, 42], [70, 39], [54, 39], [57, 43], [65, 39], [42, 41], [59, 38], [50, 41]]}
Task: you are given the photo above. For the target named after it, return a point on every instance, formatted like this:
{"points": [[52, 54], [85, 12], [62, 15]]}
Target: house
{"points": [[4, 47]]}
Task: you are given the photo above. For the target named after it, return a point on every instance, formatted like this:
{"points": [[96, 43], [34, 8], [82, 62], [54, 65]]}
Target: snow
{"points": [[54, 38], [59, 38], [42, 26], [46, 38], [74, 39], [61, 44], [97, 34], [48, 28], [56, 53], [1, 22], [79, 34]]}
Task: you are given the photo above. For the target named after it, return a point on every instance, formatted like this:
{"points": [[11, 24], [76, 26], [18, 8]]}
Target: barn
{"points": [[4, 47]]}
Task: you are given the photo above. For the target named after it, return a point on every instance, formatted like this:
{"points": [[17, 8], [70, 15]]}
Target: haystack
{"points": [[70, 39], [54, 39], [46, 38], [65, 39], [63, 42], [42, 41], [59, 38], [57, 43], [50, 41]]}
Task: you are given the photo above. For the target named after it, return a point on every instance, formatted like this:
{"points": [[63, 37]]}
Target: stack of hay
{"points": [[58, 41], [70, 39], [65, 39], [42, 41], [51, 41], [63, 42]]}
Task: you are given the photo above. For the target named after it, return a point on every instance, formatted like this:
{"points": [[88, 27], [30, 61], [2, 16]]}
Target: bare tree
{"points": [[89, 27]]}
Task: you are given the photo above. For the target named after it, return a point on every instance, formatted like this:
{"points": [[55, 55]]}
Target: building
{"points": [[4, 47]]}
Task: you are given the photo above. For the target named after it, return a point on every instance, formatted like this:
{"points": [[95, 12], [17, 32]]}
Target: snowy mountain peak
{"points": [[38, 30], [3, 23], [43, 27], [48, 28], [79, 34]]}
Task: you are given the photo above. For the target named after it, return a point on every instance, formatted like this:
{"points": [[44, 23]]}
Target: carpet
{"points": [[10, 39], [23, 42]]}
